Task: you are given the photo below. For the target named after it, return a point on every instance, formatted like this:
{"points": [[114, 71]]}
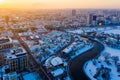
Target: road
{"points": [[39, 68], [76, 65], [32, 60]]}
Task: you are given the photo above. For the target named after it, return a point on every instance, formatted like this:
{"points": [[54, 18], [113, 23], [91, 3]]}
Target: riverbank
{"points": [[76, 65]]}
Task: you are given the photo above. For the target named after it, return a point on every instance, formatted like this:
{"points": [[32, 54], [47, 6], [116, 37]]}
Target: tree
{"points": [[116, 59]]}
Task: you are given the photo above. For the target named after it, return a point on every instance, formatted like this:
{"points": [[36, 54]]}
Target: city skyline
{"points": [[59, 40], [62, 4]]}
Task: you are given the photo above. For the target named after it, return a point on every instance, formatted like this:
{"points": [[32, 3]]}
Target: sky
{"points": [[59, 4]]}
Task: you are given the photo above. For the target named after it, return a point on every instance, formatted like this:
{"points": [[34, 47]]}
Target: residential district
{"points": [[71, 44]]}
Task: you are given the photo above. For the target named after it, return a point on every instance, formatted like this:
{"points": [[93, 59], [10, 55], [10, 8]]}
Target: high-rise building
{"points": [[1, 58], [74, 12], [92, 19], [100, 20]]}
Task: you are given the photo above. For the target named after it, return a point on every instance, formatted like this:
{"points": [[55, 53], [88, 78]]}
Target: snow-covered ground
{"points": [[91, 69], [113, 31], [113, 52]]}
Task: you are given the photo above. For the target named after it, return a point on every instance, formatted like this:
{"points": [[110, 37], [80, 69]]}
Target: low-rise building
{"points": [[55, 66], [10, 76]]}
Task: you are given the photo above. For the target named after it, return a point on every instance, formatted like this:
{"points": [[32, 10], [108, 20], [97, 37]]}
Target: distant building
{"points": [[5, 43], [100, 20], [96, 20], [74, 12], [88, 22], [91, 19]]}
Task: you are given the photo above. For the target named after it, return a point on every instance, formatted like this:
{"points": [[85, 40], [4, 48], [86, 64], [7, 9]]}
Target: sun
{"points": [[1, 1]]}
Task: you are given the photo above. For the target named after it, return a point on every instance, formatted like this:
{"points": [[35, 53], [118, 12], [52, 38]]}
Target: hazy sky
{"points": [[60, 3]]}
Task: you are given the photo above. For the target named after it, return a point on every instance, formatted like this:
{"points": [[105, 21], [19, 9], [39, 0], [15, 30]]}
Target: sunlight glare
{"points": [[1, 1]]}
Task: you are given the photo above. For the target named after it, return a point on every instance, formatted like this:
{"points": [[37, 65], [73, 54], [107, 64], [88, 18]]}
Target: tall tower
{"points": [[7, 20], [90, 19], [74, 12]]}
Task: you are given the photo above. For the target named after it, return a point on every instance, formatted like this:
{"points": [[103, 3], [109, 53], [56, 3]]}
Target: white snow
{"points": [[90, 69], [53, 61], [68, 49], [57, 72], [56, 61], [79, 31], [113, 31], [113, 52], [81, 50]]}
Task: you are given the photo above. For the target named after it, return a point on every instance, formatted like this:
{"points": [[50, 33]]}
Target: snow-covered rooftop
{"points": [[68, 49], [57, 72], [53, 61], [56, 61]]}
